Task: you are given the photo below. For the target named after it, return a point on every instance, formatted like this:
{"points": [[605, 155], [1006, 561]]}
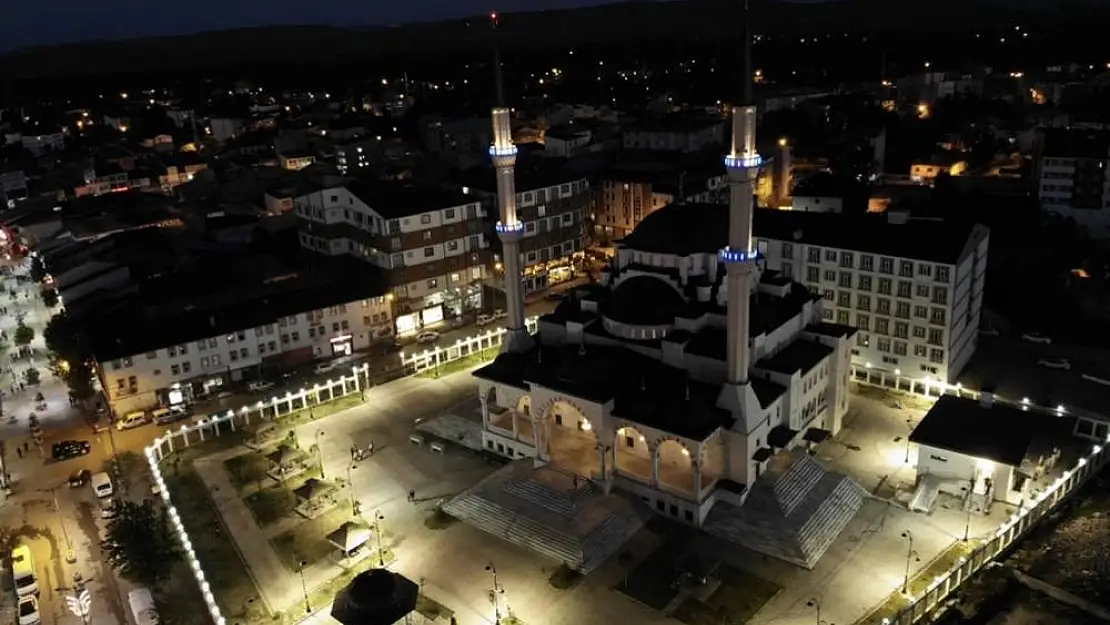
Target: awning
{"points": [[817, 435], [781, 436], [762, 454]]}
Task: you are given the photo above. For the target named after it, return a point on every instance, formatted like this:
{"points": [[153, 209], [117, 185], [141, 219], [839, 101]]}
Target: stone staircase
{"points": [[516, 528], [926, 494], [578, 526], [794, 513]]}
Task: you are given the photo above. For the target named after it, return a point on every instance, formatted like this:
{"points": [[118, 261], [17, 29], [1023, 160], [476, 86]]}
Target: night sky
{"points": [[33, 22]]}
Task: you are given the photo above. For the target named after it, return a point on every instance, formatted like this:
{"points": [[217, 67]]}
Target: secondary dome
{"points": [[645, 301]]}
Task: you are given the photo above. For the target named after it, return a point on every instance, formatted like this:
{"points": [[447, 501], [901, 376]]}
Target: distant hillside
{"points": [[631, 22]]}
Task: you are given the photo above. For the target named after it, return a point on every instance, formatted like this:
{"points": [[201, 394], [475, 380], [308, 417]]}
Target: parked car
{"points": [[1055, 363], [64, 450], [427, 336], [1036, 337], [260, 385], [29, 610], [79, 478], [162, 416], [324, 367], [485, 320], [108, 508]]}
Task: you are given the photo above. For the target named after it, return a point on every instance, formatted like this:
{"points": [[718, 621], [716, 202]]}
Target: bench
{"points": [[437, 447], [416, 439]]}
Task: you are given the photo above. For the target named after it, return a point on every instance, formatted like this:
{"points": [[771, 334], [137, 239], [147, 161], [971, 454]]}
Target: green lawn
{"points": [[231, 583], [919, 583], [271, 505], [249, 469], [739, 597], [308, 540], [432, 609], [650, 582], [461, 364]]}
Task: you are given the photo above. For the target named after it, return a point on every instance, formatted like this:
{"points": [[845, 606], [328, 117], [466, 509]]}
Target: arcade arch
{"points": [[633, 454], [571, 439], [675, 465]]}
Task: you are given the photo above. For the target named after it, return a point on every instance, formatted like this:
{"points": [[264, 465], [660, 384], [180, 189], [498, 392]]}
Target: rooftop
{"points": [[393, 199], [685, 229], [801, 356], [530, 174], [1076, 143], [999, 433]]}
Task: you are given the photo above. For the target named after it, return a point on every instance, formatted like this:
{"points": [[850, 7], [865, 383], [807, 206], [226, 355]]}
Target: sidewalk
{"points": [[275, 585]]}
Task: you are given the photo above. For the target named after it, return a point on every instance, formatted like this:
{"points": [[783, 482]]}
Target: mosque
{"points": [[690, 383]]}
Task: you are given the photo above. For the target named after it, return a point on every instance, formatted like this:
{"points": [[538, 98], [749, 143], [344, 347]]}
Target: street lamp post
{"points": [[378, 517], [495, 594], [351, 488], [909, 558], [319, 453], [71, 557], [815, 603], [304, 587], [968, 504]]}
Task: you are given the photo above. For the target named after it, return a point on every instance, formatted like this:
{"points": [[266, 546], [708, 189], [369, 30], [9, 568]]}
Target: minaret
{"points": [[742, 164], [509, 228]]}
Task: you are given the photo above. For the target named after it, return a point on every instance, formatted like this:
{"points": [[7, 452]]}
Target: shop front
{"points": [[411, 323], [342, 345]]}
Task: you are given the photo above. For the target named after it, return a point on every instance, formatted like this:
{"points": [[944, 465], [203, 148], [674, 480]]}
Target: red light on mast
{"points": [[493, 16]]}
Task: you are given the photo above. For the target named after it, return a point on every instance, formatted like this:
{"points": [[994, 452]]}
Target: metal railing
{"points": [[472, 345], [278, 406], [1010, 532]]}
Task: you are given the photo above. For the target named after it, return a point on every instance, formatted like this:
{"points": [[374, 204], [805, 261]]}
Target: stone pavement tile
{"points": [[275, 584]]}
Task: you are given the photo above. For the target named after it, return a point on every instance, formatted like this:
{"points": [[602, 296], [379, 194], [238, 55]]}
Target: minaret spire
{"points": [[748, 70], [499, 81], [742, 164], [509, 227]]}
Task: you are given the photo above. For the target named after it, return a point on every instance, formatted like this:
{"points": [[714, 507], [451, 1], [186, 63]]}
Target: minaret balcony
{"points": [[509, 228], [730, 255], [743, 161], [503, 150]]}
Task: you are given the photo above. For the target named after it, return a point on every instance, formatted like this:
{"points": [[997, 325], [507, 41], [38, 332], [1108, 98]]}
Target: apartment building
{"points": [[433, 243], [912, 288], [192, 351], [629, 192], [553, 203], [1073, 181]]}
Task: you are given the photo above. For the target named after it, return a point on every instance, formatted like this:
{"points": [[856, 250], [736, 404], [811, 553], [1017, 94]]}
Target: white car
{"points": [[485, 320], [260, 385], [29, 610], [427, 336], [324, 367], [1036, 337], [107, 508], [1055, 363]]}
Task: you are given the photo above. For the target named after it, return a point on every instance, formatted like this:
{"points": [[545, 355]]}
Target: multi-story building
{"points": [[295, 160], [433, 243], [629, 192], [553, 204], [174, 352], [679, 132], [43, 141], [1071, 167], [912, 288]]}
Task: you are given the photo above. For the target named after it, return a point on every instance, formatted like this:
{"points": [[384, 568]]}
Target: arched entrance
{"points": [[675, 466], [632, 454], [571, 440]]}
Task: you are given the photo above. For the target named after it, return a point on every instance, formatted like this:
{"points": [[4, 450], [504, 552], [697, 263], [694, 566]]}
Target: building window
{"points": [[863, 302], [884, 286], [884, 345], [924, 269], [901, 330], [899, 348], [863, 322], [847, 260], [433, 283], [883, 307], [923, 290], [937, 316], [844, 299], [936, 336], [813, 274], [867, 262], [788, 251], [886, 265], [830, 295], [429, 252], [905, 289], [940, 295], [920, 351], [902, 310], [452, 246], [865, 283], [449, 213], [863, 340], [842, 317], [942, 274], [186, 367], [425, 219], [175, 369], [830, 256], [882, 326], [919, 332], [152, 355], [905, 269], [814, 255], [845, 279], [936, 356]]}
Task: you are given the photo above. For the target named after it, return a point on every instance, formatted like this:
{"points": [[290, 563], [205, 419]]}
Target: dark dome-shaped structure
{"points": [[375, 597], [644, 301]]}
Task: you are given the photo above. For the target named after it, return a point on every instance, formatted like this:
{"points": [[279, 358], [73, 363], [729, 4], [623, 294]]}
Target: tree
{"points": [[140, 544], [23, 334], [32, 376], [79, 379], [38, 269], [50, 297]]}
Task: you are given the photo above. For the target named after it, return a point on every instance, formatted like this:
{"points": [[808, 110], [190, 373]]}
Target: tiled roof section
{"points": [[999, 433], [685, 229], [645, 390], [394, 199], [1076, 143], [801, 356]]}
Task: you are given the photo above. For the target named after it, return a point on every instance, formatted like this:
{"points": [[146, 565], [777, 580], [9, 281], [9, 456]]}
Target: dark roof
{"points": [[800, 356], [644, 390], [836, 330], [685, 229], [645, 300], [135, 325], [676, 122], [393, 199], [1076, 143], [999, 433], [530, 174]]}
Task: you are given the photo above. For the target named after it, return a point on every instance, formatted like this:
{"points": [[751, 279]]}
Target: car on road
{"points": [[260, 385], [324, 367], [77, 479], [102, 485], [108, 508], [64, 450], [162, 416], [23, 572], [133, 420], [485, 320], [427, 336], [29, 610], [1036, 337], [1055, 363]]}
